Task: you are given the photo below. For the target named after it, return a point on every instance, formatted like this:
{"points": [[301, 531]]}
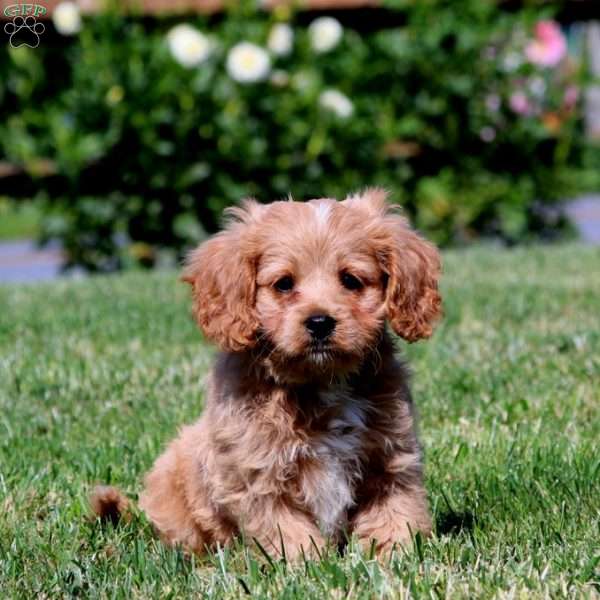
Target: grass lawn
{"points": [[96, 375]]}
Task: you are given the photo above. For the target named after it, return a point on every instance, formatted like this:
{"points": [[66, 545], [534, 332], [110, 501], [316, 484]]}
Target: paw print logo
{"points": [[24, 31]]}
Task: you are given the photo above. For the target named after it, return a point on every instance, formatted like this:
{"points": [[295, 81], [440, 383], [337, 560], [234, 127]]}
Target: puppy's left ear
{"points": [[222, 274], [413, 269]]}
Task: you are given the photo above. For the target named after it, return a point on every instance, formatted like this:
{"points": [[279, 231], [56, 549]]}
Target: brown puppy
{"points": [[308, 428]]}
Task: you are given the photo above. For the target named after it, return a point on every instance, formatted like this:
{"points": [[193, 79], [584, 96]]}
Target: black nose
{"points": [[320, 326]]}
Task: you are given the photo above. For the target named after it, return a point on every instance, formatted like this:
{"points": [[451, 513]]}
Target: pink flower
{"points": [[487, 134], [493, 102], [520, 104], [571, 96], [549, 45], [490, 53]]}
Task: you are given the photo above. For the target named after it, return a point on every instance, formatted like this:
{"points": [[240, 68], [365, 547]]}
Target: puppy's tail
{"points": [[109, 504]]}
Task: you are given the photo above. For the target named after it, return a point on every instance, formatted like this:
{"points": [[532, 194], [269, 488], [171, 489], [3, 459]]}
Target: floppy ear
{"points": [[413, 268], [222, 273], [411, 264]]}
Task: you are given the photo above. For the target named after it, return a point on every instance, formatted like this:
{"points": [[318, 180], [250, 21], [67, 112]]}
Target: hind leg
{"points": [[176, 503]]}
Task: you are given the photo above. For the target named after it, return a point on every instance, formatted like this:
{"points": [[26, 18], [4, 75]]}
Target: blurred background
{"points": [[127, 127]]}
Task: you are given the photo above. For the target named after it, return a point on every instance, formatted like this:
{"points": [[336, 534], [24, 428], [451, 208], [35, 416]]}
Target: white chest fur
{"points": [[329, 486]]}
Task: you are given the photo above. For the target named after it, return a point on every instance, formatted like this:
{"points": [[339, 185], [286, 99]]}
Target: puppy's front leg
{"points": [[389, 518], [273, 523]]}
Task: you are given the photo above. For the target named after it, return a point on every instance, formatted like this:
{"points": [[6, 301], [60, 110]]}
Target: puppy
{"points": [[308, 430]]}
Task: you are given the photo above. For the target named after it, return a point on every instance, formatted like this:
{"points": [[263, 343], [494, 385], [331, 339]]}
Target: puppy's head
{"points": [[312, 284]]}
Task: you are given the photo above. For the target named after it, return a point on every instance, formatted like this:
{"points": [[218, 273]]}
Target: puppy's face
{"points": [[310, 285], [320, 290]]}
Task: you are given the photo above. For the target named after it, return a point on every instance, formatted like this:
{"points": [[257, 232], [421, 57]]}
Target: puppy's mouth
{"points": [[322, 353], [316, 360]]}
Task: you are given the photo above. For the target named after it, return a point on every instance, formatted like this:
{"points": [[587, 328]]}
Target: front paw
{"points": [[384, 528], [294, 548]]}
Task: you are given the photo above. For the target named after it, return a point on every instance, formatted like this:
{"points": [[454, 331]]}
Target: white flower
{"points": [[512, 61], [304, 80], [248, 63], [188, 46], [281, 39], [325, 34], [487, 134], [537, 86], [336, 102], [493, 102], [279, 78], [67, 18]]}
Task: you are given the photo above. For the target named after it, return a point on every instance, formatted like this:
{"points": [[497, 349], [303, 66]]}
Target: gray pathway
{"points": [[24, 261], [585, 214]]}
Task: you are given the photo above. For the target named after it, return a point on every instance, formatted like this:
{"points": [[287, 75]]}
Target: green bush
{"points": [[443, 107]]}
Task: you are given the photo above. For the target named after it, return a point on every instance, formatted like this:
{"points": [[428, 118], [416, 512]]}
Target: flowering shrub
{"points": [[469, 115]]}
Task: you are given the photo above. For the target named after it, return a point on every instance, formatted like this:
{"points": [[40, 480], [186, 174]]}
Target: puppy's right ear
{"points": [[222, 272]]}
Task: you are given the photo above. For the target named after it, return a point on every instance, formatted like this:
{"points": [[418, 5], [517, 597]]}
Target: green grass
{"points": [[96, 375], [18, 220]]}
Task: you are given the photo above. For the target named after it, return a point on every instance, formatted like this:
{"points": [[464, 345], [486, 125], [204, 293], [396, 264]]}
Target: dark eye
{"points": [[350, 282], [285, 284]]}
